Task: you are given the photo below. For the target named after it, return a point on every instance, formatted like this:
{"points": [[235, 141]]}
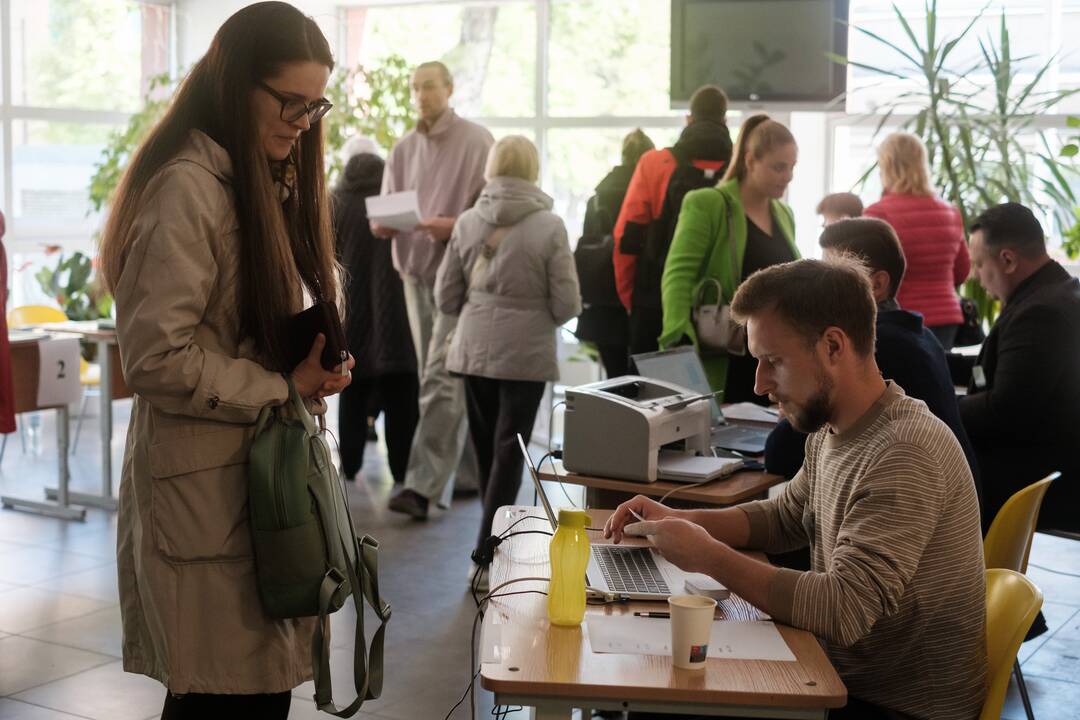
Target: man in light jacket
{"points": [[443, 161]]}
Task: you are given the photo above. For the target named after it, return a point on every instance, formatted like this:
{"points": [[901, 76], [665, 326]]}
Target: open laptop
{"points": [[682, 366], [634, 572]]}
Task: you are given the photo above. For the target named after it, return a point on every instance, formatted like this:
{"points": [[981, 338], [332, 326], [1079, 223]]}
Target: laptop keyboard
{"points": [[630, 570]]}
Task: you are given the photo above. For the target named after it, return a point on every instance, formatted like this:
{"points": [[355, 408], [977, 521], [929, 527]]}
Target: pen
{"points": [[661, 615]]}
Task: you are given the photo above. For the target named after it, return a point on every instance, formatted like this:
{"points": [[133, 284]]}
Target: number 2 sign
{"points": [[58, 372]]}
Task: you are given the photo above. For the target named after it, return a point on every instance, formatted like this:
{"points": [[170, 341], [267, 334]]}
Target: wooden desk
{"points": [[112, 387], [25, 362], [554, 670], [736, 488]]}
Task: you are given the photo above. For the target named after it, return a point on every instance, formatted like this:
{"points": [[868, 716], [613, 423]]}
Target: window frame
{"points": [[19, 237]]}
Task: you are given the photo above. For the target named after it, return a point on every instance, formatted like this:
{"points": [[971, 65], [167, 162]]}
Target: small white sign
{"points": [[58, 372]]}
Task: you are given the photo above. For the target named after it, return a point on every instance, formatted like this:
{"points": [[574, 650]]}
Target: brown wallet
{"points": [[322, 317]]}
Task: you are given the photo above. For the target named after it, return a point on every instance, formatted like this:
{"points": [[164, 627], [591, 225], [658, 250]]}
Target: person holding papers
{"points": [[443, 161], [885, 501]]}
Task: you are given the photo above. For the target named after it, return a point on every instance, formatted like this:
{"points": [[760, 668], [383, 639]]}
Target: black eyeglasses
{"points": [[292, 109]]}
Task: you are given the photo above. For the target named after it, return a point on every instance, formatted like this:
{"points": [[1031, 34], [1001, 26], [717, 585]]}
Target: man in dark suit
{"points": [[1022, 410], [905, 349]]}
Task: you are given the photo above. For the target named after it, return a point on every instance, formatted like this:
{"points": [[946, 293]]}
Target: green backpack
{"points": [[308, 560]]}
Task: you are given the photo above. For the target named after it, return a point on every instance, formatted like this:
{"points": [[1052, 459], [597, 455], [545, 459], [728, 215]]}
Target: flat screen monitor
{"points": [[760, 52]]}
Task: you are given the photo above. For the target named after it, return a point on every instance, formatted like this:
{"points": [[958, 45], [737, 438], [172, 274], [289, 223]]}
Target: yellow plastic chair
{"points": [[1008, 544], [1012, 602], [89, 375]]}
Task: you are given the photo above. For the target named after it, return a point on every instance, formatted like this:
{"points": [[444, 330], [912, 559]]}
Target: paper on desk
{"points": [[399, 210], [58, 372], [731, 640], [750, 412]]}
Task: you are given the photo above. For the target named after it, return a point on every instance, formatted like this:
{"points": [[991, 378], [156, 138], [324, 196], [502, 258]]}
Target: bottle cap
{"points": [[574, 518]]}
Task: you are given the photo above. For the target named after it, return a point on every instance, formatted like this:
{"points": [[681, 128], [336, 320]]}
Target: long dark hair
{"points": [[279, 242]]}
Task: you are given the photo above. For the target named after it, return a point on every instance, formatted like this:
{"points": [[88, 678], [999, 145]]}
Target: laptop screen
{"points": [[536, 482], [681, 366]]}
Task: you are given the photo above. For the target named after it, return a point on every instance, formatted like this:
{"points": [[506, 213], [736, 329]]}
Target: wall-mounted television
{"points": [[761, 52]]}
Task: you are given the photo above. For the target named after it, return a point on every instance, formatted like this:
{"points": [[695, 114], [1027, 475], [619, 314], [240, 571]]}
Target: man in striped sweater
{"points": [[884, 500]]}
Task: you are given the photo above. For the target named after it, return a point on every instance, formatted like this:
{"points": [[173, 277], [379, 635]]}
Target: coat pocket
{"points": [[199, 496]]}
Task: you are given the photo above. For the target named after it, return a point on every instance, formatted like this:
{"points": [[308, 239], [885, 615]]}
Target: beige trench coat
{"points": [[191, 612]]}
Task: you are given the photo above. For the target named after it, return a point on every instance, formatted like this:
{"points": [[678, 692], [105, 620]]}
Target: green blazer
{"points": [[699, 250]]}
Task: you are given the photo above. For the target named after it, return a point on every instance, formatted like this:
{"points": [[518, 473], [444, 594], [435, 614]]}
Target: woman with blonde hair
{"points": [[509, 275], [931, 233], [725, 234], [218, 228]]}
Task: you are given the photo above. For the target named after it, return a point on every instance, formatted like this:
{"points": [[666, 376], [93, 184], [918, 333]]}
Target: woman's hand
{"points": [[311, 381]]}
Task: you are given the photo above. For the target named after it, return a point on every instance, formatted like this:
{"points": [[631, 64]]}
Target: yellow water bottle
{"points": [[569, 560]]}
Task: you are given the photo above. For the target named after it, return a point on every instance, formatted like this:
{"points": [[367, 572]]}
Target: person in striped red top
{"points": [[931, 232], [885, 501]]}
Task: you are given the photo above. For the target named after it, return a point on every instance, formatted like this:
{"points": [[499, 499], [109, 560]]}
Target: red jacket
{"points": [[642, 205], [931, 233], [7, 391]]}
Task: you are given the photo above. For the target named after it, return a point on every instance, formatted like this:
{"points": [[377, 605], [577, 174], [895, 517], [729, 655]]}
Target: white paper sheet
{"points": [[652, 636], [58, 374], [400, 210], [750, 412]]}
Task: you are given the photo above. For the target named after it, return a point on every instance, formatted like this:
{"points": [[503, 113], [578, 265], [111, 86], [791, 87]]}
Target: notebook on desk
{"points": [[633, 572], [683, 367]]}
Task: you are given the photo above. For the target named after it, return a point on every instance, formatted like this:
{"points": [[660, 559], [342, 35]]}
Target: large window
{"points": [[583, 73], [72, 71]]}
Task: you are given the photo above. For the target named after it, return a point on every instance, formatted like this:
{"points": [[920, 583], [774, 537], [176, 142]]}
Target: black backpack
{"points": [[650, 265]]}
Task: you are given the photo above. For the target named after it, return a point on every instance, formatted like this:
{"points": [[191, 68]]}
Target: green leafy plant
{"points": [[374, 101], [74, 285], [122, 143], [974, 134]]}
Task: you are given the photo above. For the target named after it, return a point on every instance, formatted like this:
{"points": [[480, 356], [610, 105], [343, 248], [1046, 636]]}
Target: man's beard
{"points": [[812, 415]]}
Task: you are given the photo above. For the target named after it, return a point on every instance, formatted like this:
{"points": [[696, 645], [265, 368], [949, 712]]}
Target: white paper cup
{"points": [[691, 623]]}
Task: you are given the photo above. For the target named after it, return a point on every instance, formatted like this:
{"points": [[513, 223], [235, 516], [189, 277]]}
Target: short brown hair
{"points": [[709, 103], [634, 145], [871, 240], [812, 296], [447, 78], [843, 204]]}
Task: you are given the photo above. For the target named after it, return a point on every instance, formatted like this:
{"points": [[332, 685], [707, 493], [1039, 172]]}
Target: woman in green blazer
{"points": [[744, 209]]}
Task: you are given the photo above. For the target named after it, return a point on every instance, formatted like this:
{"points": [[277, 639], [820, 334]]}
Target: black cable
{"points": [[523, 519], [473, 670], [556, 455]]}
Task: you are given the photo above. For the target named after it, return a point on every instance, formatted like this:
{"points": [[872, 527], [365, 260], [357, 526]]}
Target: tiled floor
{"points": [[60, 623]]}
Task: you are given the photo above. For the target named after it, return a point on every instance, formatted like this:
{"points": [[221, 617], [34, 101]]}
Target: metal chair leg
{"points": [[78, 423], [1022, 686], [3, 447]]}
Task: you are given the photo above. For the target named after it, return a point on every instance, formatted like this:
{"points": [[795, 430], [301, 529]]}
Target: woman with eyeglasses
{"points": [[218, 229]]}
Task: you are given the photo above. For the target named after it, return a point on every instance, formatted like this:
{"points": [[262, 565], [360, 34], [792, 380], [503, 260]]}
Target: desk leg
{"points": [[105, 362], [551, 712], [60, 509], [105, 500]]}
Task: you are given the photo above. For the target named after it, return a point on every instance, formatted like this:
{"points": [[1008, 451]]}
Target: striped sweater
{"points": [[896, 589]]}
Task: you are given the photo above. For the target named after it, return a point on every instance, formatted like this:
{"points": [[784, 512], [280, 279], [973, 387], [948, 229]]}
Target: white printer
{"points": [[615, 428]]}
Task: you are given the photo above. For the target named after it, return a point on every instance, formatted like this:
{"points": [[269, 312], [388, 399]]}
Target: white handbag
{"points": [[717, 332]]}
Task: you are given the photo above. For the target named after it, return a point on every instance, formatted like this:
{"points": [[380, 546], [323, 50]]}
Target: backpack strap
{"points": [[367, 666]]}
